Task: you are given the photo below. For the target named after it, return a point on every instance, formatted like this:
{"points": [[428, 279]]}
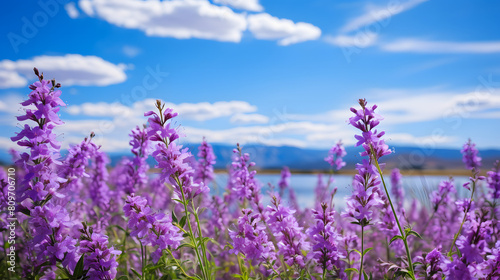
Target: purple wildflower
{"points": [[50, 227], [325, 239], [243, 183], [477, 231], [366, 197], [100, 260], [173, 161], [493, 180], [41, 181], [284, 182], [490, 268], [251, 239], [397, 188], [291, 239], [431, 265], [471, 156], [335, 156], [154, 229], [205, 165], [99, 191]]}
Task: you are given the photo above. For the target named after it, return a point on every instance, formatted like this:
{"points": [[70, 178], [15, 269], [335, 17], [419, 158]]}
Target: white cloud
{"points": [[374, 14], [11, 103], [71, 69], [7, 144], [202, 111], [71, 10], [267, 27], [424, 46], [409, 106], [11, 80], [250, 5], [131, 51], [408, 139], [360, 40], [179, 19], [249, 118]]}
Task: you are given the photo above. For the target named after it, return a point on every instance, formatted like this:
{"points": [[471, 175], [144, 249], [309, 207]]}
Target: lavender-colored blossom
{"points": [[41, 180], [396, 187], [284, 181], [471, 156], [431, 265], [99, 191], [456, 270], [250, 238], [493, 181], [477, 231], [50, 227], [490, 268], [205, 165], [242, 181], [154, 229], [335, 156], [173, 160], [100, 259], [365, 120], [325, 240], [290, 237], [366, 196]]}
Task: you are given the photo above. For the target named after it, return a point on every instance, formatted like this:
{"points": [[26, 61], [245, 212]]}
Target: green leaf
{"points": [[79, 268], [396, 238], [357, 251], [136, 273], [351, 269], [123, 277], [174, 217], [182, 223], [412, 232], [367, 250]]}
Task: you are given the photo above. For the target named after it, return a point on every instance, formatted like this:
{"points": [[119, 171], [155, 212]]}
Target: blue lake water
{"points": [[303, 184]]}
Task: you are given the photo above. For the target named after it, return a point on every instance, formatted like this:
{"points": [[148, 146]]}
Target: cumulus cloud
{"points": [[249, 5], [249, 118], [71, 69], [202, 111], [179, 19], [424, 46], [11, 80], [264, 26]]}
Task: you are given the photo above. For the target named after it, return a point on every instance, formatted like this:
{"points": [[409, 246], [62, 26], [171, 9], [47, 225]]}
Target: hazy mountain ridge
{"points": [[270, 157]]}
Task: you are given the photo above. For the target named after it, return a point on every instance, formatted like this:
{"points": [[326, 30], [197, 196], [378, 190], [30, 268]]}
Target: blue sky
{"points": [[272, 72]]}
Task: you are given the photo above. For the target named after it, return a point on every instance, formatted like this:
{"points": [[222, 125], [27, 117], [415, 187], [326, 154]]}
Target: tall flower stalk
{"points": [[472, 162], [366, 120], [174, 163]]}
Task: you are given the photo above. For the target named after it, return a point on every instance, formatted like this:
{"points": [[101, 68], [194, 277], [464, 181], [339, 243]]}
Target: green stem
{"points": [[203, 247], [177, 262], [362, 251], [408, 255], [191, 234], [463, 220], [142, 260]]}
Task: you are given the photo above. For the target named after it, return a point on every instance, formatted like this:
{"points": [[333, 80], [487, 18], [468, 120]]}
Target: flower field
{"points": [[77, 217]]}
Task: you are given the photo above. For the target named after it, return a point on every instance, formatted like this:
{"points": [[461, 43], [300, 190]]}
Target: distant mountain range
{"points": [[269, 157]]}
